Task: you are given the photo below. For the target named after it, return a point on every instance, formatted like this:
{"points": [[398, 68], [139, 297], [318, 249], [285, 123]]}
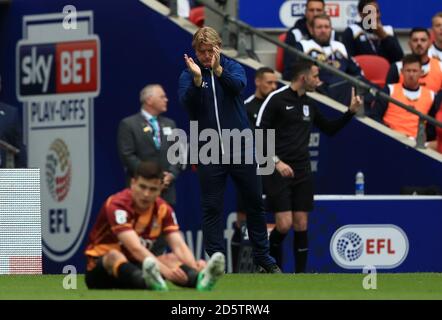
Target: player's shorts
{"points": [[98, 278], [289, 194]]}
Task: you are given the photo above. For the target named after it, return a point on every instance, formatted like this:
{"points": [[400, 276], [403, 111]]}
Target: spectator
{"points": [[431, 76], [375, 39], [409, 92], [435, 50], [303, 28], [322, 48]]}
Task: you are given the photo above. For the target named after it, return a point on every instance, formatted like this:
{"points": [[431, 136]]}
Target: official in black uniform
{"points": [[265, 82], [289, 189]]}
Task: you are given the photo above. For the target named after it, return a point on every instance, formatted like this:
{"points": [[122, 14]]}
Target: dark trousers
{"points": [[213, 178]]}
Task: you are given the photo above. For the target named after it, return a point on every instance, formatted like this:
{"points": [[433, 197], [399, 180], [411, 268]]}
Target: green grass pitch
{"points": [[240, 287]]}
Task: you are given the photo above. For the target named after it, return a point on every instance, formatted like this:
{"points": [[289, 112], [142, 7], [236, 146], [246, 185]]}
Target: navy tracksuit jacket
{"points": [[218, 105]]}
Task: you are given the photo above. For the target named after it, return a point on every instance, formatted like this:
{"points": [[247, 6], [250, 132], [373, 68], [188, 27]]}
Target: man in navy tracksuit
{"points": [[210, 89]]}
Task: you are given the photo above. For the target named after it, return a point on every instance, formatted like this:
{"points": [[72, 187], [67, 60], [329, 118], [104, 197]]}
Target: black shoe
{"points": [[273, 268]]}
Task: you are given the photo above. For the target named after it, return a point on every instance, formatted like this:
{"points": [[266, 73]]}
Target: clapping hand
{"points": [[216, 67], [194, 69]]}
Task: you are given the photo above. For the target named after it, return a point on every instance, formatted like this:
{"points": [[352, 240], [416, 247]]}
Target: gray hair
{"points": [[147, 92]]}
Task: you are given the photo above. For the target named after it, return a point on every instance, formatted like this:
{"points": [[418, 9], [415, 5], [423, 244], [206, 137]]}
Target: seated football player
{"points": [[120, 253]]}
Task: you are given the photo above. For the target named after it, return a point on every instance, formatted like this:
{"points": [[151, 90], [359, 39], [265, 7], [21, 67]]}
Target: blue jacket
{"points": [[225, 110]]}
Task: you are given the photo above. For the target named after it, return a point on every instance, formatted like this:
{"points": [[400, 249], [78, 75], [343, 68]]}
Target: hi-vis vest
{"points": [[400, 119], [432, 74]]}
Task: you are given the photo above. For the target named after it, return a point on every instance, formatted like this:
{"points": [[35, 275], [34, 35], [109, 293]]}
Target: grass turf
{"points": [[240, 287]]}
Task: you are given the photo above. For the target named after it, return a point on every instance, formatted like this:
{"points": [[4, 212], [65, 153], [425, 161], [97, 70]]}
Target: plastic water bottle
{"points": [[359, 184]]}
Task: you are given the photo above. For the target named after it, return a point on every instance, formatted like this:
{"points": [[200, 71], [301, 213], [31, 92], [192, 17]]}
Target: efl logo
{"points": [[332, 10], [358, 246], [54, 68], [58, 170]]}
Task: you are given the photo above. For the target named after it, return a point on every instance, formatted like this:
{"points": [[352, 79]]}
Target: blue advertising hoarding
{"points": [[418, 218], [280, 13]]}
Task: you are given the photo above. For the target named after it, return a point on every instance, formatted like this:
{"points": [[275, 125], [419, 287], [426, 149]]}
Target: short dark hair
{"points": [[300, 67], [411, 58], [259, 73], [363, 3], [419, 29], [149, 170]]}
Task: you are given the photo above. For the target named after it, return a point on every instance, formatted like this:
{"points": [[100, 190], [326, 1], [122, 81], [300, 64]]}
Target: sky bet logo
{"points": [[54, 68]]}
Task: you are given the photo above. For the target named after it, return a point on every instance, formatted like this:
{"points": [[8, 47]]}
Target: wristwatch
{"points": [[276, 159]]}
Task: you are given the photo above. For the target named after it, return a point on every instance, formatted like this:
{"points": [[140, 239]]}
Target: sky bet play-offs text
{"points": [[58, 68]]}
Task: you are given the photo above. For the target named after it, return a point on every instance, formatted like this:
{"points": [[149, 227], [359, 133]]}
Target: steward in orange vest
{"points": [[411, 93]]}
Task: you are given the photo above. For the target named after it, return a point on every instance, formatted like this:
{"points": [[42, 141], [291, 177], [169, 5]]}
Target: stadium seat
{"points": [[375, 68], [196, 16], [279, 63]]}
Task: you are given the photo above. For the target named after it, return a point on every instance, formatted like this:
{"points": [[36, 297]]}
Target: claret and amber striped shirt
{"points": [[117, 215]]}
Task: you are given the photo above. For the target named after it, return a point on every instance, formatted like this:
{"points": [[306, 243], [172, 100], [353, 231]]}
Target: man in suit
{"points": [[11, 133], [143, 137]]}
